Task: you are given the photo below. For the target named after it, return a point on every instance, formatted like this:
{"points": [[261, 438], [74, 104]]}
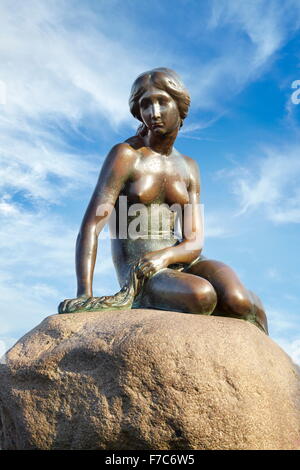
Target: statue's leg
{"points": [[234, 299], [173, 290]]}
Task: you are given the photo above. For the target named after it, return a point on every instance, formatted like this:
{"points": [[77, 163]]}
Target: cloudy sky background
{"points": [[66, 68]]}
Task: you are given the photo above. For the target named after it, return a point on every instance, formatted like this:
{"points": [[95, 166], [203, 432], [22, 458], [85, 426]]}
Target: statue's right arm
{"points": [[114, 173]]}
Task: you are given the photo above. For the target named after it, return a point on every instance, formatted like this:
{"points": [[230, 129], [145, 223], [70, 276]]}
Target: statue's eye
{"points": [[144, 103], [163, 101]]}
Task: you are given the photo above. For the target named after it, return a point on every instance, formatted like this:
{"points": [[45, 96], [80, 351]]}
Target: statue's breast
{"points": [[176, 191], [158, 180], [146, 189]]}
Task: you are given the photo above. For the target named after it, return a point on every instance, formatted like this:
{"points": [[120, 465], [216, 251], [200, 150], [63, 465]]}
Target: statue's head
{"points": [[160, 79]]}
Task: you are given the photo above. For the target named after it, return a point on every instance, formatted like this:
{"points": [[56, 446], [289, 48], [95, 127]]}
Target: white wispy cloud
{"points": [[37, 266], [217, 225], [56, 77], [34, 239], [42, 170], [284, 330], [269, 182], [36, 251], [59, 75], [266, 24], [292, 348], [5, 343], [281, 322], [244, 37], [39, 243], [61, 68], [273, 274]]}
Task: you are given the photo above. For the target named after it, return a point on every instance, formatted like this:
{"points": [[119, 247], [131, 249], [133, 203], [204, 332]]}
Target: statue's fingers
{"points": [[148, 270], [141, 265], [140, 271], [144, 261], [147, 265]]}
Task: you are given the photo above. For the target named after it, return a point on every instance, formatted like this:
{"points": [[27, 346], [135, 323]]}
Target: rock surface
{"points": [[148, 379]]}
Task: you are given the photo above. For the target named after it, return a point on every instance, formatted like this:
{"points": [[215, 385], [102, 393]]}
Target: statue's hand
{"points": [[151, 263], [71, 305]]}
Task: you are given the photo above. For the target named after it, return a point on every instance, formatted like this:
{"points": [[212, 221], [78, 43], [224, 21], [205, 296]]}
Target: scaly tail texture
{"points": [[122, 299]]}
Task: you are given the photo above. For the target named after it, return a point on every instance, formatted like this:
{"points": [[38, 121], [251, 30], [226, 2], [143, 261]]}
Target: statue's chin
{"points": [[159, 131]]}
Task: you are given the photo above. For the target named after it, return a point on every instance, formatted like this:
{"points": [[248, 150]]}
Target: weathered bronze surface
{"points": [[156, 269]]}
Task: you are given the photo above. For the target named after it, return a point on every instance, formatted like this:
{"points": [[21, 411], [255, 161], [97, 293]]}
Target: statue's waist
{"points": [[153, 221], [127, 252], [130, 249]]}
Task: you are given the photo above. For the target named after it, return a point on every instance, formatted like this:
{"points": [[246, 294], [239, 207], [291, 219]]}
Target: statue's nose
{"points": [[155, 110]]}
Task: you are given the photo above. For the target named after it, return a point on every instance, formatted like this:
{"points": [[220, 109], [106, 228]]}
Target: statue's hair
{"points": [[164, 79]]}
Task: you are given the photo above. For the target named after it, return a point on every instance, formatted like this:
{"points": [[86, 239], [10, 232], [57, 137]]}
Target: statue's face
{"points": [[159, 111]]}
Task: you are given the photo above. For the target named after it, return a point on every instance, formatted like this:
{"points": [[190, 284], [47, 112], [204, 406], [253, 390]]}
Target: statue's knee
{"points": [[237, 303], [203, 298]]}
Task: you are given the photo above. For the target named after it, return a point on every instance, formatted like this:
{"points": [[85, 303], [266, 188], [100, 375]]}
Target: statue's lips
{"points": [[156, 124]]}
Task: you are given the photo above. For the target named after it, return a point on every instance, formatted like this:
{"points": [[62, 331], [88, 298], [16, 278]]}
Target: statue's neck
{"points": [[162, 144]]}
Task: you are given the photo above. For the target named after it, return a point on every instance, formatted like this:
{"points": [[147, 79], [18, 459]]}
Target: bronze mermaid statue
{"points": [[155, 267]]}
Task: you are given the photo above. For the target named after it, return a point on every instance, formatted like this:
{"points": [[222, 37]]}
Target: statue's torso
{"points": [[156, 190]]}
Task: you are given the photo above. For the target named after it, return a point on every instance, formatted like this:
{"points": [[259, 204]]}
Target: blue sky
{"points": [[66, 70]]}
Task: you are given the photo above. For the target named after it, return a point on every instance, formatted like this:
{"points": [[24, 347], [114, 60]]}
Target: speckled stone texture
{"points": [[148, 379]]}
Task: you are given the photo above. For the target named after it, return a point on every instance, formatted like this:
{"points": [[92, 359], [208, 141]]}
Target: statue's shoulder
{"points": [[126, 150], [194, 171], [121, 153], [136, 142], [191, 163]]}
